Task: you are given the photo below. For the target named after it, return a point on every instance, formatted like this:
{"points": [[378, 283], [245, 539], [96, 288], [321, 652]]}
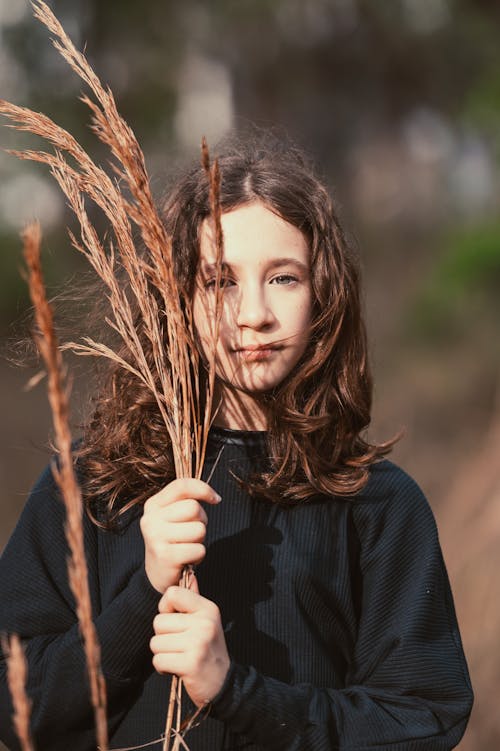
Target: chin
{"points": [[254, 388]]}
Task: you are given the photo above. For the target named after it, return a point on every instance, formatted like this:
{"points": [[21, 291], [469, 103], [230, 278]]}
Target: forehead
{"points": [[254, 234]]}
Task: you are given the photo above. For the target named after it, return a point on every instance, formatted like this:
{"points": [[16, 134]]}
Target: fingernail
{"points": [[218, 499]]}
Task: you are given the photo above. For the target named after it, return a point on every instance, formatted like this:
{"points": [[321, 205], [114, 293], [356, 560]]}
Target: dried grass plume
{"points": [[16, 678], [65, 476]]}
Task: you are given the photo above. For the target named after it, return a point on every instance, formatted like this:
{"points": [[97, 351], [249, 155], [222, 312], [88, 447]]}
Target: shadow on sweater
{"points": [[237, 574]]}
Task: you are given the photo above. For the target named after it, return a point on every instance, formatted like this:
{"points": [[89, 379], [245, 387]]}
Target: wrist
{"points": [[220, 698], [218, 678]]}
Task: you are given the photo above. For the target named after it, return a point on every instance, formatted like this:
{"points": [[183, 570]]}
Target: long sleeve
{"points": [[338, 616], [407, 687], [37, 604]]}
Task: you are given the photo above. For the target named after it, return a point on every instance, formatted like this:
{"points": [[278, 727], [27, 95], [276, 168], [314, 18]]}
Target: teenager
{"points": [[321, 615]]}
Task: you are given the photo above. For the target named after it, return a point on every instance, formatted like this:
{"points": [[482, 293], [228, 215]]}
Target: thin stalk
{"points": [[17, 671], [65, 476]]}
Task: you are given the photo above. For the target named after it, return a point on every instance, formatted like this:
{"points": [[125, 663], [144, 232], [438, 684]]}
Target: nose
{"points": [[253, 309]]}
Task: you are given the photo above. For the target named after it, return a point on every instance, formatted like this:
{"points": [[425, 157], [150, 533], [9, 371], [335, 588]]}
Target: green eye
{"points": [[284, 279]]}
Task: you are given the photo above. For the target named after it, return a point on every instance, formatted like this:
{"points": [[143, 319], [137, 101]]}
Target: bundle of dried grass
{"points": [[166, 315]]}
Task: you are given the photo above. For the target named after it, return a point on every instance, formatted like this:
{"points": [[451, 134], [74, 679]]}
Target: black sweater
{"points": [[337, 613]]}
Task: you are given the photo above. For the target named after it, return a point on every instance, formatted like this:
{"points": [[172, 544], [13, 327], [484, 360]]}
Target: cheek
{"points": [[201, 315], [301, 315], [203, 328]]}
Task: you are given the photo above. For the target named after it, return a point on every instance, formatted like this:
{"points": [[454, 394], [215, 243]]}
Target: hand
{"points": [[173, 526], [190, 643]]}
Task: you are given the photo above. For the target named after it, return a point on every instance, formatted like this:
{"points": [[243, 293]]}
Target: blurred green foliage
{"points": [[472, 261], [464, 282], [334, 73]]}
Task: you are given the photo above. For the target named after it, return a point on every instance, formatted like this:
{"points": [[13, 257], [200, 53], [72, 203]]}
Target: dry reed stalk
{"points": [[214, 182], [213, 176], [16, 678], [65, 476], [166, 315]]}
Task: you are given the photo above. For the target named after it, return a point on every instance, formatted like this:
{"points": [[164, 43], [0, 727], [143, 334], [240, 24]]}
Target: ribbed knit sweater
{"points": [[337, 614]]}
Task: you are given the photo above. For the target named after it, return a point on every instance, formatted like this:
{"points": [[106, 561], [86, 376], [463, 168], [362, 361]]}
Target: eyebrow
{"points": [[209, 268]]}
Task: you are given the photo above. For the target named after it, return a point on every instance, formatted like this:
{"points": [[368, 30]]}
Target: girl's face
{"points": [[267, 303]]}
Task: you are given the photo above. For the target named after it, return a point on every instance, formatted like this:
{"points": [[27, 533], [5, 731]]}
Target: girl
{"points": [[322, 616]]}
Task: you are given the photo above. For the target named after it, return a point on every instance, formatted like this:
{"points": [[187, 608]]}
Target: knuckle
{"points": [[209, 630], [147, 505], [158, 663], [187, 553], [178, 555], [152, 502], [200, 531], [146, 530], [216, 627], [147, 522], [214, 613], [156, 625], [153, 545], [181, 484], [192, 508], [199, 552]]}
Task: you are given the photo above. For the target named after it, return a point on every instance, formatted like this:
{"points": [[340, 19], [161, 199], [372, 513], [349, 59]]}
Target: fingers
{"points": [[184, 554], [173, 526], [189, 642], [185, 510], [179, 600], [182, 600], [160, 527], [171, 662], [174, 629], [186, 532], [184, 488], [170, 623]]}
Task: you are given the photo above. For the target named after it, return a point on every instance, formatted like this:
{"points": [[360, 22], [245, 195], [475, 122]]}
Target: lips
{"points": [[255, 352], [257, 347]]}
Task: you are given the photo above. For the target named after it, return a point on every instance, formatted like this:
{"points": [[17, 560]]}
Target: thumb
{"points": [[181, 599]]}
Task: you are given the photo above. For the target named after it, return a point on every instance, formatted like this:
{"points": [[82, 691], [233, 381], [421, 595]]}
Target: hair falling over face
{"points": [[317, 413]]}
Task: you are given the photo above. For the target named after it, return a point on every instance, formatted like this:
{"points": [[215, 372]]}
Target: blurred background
{"points": [[398, 101]]}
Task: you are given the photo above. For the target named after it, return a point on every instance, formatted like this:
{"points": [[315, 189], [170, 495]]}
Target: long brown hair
{"points": [[318, 413]]}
